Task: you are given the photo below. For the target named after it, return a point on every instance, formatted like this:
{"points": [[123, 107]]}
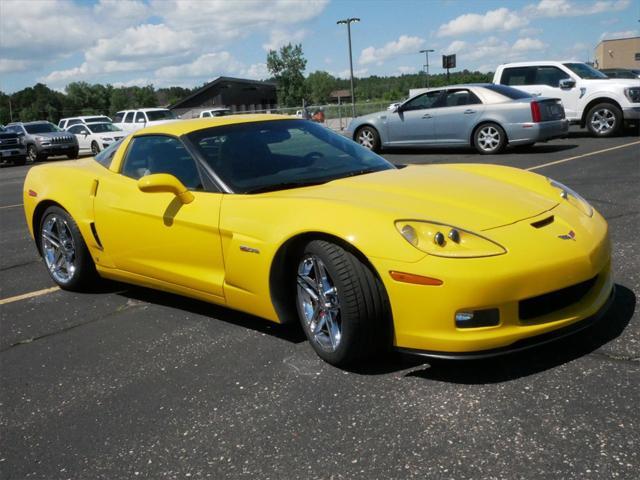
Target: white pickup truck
{"points": [[132, 120], [589, 97]]}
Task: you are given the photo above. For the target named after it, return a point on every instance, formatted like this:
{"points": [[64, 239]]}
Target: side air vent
{"points": [[543, 223], [95, 235]]}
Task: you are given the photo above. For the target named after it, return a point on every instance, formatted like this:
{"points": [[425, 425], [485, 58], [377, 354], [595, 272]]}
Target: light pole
{"points": [[348, 22], [426, 53]]}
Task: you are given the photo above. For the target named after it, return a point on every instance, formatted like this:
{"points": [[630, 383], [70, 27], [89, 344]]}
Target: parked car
{"points": [[215, 112], [43, 139], [95, 137], [12, 150], [132, 120], [486, 116], [365, 255], [589, 97], [65, 123], [621, 73]]}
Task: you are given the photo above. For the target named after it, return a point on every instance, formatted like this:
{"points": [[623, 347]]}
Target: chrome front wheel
{"points": [[489, 138], [368, 137], [603, 121], [58, 248], [319, 304]]}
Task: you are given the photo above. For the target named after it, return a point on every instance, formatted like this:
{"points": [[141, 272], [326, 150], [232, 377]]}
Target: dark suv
{"points": [[11, 148], [43, 139]]}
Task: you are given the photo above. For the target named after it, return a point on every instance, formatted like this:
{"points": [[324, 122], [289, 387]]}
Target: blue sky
{"points": [[189, 42]]}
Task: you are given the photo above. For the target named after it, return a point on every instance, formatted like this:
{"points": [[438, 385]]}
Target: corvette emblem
{"points": [[569, 236]]}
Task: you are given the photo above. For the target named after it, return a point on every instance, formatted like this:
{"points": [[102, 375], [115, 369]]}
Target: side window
{"points": [[206, 114], [518, 76], [140, 117], [151, 154], [426, 100], [14, 129], [75, 121], [118, 117], [76, 129], [549, 76], [61, 124], [455, 98], [129, 118]]}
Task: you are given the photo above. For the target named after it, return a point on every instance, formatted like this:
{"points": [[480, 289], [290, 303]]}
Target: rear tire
{"points": [[489, 139], [604, 120], [64, 251], [341, 304], [369, 138]]}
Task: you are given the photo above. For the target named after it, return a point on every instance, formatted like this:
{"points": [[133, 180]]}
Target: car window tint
{"points": [[151, 154], [75, 129], [548, 75], [426, 100], [105, 157], [140, 117], [518, 76], [118, 117], [129, 118], [206, 114], [74, 121], [455, 98]]}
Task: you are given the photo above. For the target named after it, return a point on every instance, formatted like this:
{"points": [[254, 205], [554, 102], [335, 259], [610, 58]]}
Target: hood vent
{"points": [[543, 223]]}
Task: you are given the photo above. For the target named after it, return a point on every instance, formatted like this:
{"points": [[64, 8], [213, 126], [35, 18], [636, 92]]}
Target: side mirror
{"points": [[164, 182], [567, 83]]}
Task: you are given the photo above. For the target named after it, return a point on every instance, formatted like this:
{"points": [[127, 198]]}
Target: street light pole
{"points": [[348, 22], [426, 53]]}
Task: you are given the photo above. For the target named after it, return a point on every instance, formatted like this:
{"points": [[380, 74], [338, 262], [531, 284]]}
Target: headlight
{"points": [[572, 197], [42, 139], [633, 94], [446, 240]]}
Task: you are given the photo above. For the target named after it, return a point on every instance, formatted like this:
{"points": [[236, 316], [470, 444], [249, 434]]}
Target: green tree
{"points": [[287, 67], [320, 84]]}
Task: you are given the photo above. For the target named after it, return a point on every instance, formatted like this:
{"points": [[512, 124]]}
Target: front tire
{"points": [[73, 154], [95, 148], [489, 139], [341, 304], [369, 138], [604, 120], [33, 155], [64, 251]]}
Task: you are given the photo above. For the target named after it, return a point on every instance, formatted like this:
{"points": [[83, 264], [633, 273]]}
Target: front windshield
{"points": [[96, 119], [41, 128], [585, 71], [103, 127], [154, 115], [278, 154]]}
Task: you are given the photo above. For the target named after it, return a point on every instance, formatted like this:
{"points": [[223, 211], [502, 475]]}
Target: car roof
{"points": [[181, 127], [538, 62]]}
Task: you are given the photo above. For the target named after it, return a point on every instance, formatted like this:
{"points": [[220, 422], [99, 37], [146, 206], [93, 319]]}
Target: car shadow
{"points": [[290, 333], [536, 360], [631, 131], [537, 148]]}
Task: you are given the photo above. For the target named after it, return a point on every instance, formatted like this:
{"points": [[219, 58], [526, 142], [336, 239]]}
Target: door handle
{"points": [[537, 94], [427, 115], [469, 111]]}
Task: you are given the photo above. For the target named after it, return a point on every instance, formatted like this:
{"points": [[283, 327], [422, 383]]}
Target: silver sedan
{"points": [[486, 116]]}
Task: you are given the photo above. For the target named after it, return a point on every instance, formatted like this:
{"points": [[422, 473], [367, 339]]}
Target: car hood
{"points": [[477, 197], [371, 116]]}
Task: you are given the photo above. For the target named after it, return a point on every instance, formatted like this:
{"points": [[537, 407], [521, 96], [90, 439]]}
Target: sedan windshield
{"points": [[103, 127], [154, 115], [279, 154], [585, 71], [41, 128]]}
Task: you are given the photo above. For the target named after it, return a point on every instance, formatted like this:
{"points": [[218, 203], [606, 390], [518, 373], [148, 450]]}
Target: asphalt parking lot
{"points": [[129, 383]]}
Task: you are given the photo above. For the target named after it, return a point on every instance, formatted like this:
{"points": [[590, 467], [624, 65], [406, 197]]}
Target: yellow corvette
{"points": [[284, 219]]}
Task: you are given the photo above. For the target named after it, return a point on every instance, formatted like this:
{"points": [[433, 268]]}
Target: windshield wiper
{"points": [[285, 186]]}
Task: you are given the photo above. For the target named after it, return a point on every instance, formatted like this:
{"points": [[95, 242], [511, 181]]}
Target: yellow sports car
{"points": [[284, 219]]}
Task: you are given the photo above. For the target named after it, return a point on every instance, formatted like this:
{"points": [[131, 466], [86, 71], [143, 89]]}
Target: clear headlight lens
{"points": [[633, 94], [573, 197], [446, 240]]}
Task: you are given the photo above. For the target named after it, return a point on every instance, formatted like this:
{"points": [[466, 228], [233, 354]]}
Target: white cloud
{"points": [[8, 65], [493, 20], [205, 66], [257, 71], [406, 69], [527, 44], [455, 47], [358, 72], [279, 37], [491, 51], [568, 8], [622, 34], [404, 44]]}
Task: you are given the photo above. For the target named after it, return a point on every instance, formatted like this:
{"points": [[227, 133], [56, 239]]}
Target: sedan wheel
{"points": [[341, 304], [368, 137], [489, 138], [64, 251], [95, 149], [604, 119], [319, 303]]}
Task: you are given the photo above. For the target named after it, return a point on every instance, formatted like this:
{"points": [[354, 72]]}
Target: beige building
{"points": [[621, 53]]}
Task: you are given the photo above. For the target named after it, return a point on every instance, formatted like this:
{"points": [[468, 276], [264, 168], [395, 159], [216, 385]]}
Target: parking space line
{"points": [[582, 156], [10, 206], [25, 296]]}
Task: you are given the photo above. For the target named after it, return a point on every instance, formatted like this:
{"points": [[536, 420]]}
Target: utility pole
{"points": [[426, 53], [348, 22]]}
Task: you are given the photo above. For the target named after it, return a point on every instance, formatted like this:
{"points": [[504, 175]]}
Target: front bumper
{"points": [[519, 133], [631, 113], [537, 262], [12, 153], [56, 149]]}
